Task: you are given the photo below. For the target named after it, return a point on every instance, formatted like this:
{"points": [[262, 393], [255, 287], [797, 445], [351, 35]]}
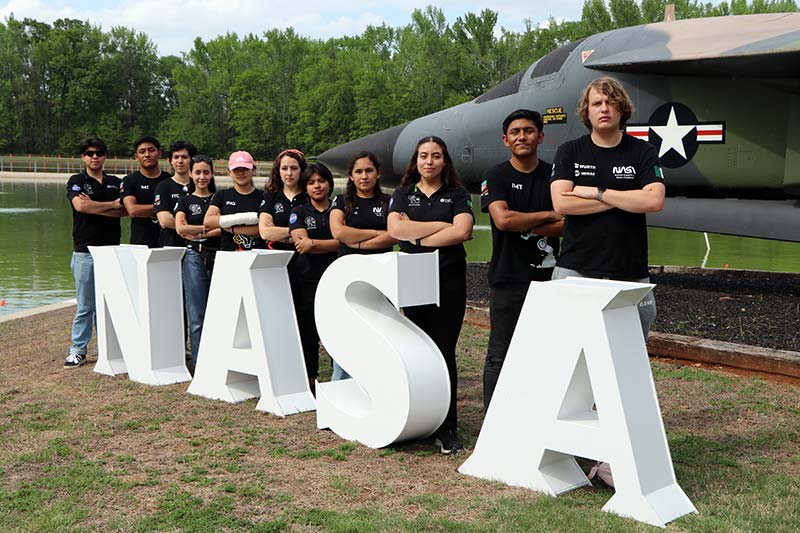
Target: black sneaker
{"points": [[74, 360], [447, 441]]}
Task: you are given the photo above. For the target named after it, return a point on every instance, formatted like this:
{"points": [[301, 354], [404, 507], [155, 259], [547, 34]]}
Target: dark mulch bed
{"points": [[745, 307]]}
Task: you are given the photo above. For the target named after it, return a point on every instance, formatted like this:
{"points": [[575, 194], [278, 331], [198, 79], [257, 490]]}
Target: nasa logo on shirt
{"points": [[292, 218]]}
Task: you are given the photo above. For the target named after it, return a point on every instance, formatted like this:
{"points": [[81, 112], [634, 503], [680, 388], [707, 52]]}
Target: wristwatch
{"points": [[600, 191]]}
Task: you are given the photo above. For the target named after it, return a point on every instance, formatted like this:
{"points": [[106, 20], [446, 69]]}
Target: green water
{"points": [[36, 246]]}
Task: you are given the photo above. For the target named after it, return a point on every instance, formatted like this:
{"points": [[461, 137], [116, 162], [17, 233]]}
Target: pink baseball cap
{"points": [[241, 159]]}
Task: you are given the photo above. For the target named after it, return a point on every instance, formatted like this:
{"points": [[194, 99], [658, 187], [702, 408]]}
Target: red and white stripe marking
{"points": [[705, 132], [710, 133], [640, 132]]}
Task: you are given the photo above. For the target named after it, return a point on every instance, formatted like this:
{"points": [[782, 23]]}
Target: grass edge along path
{"points": [[84, 452]]}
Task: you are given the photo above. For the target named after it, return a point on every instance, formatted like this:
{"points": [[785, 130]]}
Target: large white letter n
{"points": [[579, 342]]}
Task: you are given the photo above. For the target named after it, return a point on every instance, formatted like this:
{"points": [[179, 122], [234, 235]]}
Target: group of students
{"points": [[596, 193], [295, 212], [430, 210]]}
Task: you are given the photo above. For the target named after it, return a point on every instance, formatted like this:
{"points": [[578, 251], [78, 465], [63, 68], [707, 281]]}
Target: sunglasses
{"points": [[92, 153], [202, 159]]}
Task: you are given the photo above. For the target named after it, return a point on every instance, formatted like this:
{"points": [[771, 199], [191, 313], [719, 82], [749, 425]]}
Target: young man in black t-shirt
{"points": [[604, 183], [525, 230], [168, 192], [96, 208], [139, 189]]}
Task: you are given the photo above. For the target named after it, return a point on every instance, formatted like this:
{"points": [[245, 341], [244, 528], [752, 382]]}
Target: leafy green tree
{"points": [[625, 13], [595, 16]]}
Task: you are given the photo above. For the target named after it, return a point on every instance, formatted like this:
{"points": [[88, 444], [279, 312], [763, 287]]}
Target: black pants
{"points": [[443, 325], [303, 293], [505, 305]]}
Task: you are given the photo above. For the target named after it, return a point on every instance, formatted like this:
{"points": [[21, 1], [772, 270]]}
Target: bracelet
{"points": [[359, 245], [418, 242], [312, 243]]}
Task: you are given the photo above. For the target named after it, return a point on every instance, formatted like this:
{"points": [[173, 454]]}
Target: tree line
{"points": [[262, 93]]}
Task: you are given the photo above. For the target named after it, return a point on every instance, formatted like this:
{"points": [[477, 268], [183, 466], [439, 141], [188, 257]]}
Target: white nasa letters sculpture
{"points": [[139, 299], [400, 388], [578, 342], [250, 346]]}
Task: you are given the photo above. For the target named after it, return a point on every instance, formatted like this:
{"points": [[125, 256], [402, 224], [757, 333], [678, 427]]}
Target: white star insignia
{"points": [[672, 135]]}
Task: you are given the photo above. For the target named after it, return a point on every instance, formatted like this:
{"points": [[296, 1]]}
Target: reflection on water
{"points": [[36, 246]]}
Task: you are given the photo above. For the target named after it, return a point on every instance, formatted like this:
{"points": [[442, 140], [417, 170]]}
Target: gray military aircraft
{"points": [[719, 98]]}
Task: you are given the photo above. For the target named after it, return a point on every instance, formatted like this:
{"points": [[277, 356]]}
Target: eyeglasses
{"points": [[92, 153], [202, 159]]}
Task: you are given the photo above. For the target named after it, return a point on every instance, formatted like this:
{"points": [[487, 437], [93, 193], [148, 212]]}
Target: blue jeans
{"points": [[338, 373], [646, 308], [82, 266], [196, 282]]}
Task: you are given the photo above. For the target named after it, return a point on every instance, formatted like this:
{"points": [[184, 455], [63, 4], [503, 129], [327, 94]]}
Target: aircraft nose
{"points": [[380, 143]]}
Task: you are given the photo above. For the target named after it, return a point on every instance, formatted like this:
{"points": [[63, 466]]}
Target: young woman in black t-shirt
{"points": [[358, 217], [235, 210], [432, 211], [281, 193], [198, 262], [316, 249]]}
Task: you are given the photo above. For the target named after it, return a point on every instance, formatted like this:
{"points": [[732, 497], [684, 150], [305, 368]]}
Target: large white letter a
{"points": [[578, 343]]}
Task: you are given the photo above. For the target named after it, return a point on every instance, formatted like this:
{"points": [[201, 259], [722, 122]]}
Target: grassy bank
{"points": [[81, 451]]}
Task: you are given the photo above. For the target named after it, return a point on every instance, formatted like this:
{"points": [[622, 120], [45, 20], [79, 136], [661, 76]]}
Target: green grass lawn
{"points": [[84, 452]]}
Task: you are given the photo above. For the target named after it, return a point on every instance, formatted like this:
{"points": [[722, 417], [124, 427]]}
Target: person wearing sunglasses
{"points": [[96, 210]]}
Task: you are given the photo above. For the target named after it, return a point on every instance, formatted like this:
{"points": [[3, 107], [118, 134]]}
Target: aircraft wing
{"points": [[753, 46], [765, 219]]}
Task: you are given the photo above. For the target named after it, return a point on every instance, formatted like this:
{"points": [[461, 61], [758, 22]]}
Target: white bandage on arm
{"points": [[238, 219]]}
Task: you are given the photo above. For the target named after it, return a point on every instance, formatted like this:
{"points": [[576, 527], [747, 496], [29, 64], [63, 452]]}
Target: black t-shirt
{"points": [[368, 213], [168, 192], [136, 184], [88, 229], [611, 244], [279, 206], [442, 206], [195, 207], [519, 257], [310, 267], [230, 202]]}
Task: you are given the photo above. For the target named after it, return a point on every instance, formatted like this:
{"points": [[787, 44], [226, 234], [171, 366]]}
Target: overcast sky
{"points": [[173, 25]]}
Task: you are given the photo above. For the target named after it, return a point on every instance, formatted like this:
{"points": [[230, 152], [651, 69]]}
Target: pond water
{"points": [[36, 246]]}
